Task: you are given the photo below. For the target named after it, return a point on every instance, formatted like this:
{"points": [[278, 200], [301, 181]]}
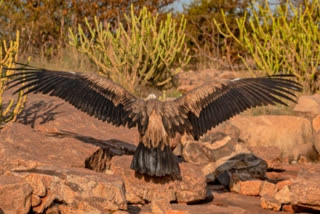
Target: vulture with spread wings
{"points": [[194, 113]]}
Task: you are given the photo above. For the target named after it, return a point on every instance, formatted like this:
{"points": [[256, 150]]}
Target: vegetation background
{"points": [[145, 44]]}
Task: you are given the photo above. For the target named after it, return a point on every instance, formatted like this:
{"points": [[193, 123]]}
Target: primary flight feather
{"points": [[194, 113]]}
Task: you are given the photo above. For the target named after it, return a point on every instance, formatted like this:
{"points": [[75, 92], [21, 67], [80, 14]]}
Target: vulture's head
{"points": [[151, 96]]}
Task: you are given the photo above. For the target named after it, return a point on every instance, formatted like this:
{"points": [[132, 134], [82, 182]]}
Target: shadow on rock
{"points": [[43, 111], [99, 161]]}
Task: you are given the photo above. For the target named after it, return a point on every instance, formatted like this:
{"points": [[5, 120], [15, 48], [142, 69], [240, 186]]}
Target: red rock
{"points": [[160, 205], [281, 131], [46, 201], [120, 212], [139, 188], [288, 208], [268, 188], [271, 154], [316, 141], [30, 149], [284, 183], [53, 209], [250, 187], [35, 200], [74, 186], [15, 195], [268, 202], [308, 104], [303, 160], [177, 212], [304, 191], [316, 123], [79, 208], [284, 195]]}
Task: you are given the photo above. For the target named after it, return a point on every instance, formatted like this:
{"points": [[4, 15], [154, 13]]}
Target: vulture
{"points": [[193, 113]]}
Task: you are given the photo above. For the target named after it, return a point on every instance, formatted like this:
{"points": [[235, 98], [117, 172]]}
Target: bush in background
{"points": [[9, 54], [43, 24], [208, 46], [141, 51], [285, 39]]}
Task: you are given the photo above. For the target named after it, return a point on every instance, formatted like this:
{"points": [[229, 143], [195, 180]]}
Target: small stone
{"points": [[288, 208], [268, 188], [268, 202], [250, 187], [303, 160], [284, 195], [284, 183], [53, 210]]}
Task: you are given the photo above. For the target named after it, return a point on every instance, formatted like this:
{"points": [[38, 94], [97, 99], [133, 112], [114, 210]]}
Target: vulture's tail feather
{"points": [[154, 161]]}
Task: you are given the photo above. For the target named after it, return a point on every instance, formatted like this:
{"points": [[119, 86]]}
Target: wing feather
{"points": [[93, 94], [217, 101]]}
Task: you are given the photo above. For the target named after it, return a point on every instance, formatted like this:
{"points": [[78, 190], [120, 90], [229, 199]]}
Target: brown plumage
{"points": [[194, 113]]}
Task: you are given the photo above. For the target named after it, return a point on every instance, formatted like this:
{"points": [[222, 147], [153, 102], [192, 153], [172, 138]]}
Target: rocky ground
{"points": [[55, 159]]}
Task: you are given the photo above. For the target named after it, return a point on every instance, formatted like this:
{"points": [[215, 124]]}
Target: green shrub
{"points": [[141, 51], [285, 39], [9, 54], [207, 46]]}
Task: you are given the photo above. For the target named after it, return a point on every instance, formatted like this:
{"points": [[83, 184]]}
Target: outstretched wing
{"points": [[90, 93], [212, 103]]}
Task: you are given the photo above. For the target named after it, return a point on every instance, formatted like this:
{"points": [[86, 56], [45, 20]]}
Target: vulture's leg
{"points": [[154, 161]]}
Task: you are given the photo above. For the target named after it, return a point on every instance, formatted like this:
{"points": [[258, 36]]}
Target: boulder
{"points": [[309, 104], [283, 132], [205, 151], [15, 195], [224, 160], [73, 187], [241, 167], [190, 187]]}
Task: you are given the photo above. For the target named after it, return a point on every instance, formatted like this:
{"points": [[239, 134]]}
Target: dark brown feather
{"points": [[93, 94], [217, 101]]}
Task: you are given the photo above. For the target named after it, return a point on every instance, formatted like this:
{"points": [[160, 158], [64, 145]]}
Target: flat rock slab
{"points": [[139, 188], [74, 188], [21, 147]]}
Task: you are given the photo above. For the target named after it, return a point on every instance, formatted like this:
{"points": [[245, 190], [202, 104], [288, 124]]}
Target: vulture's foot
{"points": [[154, 161]]}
